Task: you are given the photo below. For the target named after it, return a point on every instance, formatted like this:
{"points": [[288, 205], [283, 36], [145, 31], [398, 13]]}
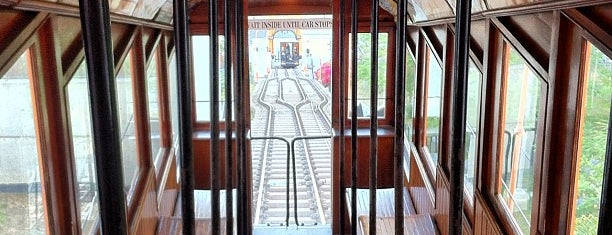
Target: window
{"points": [[433, 103], [201, 72], [125, 104], [471, 128], [364, 75], [154, 120], [410, 96], [77, 92], [519, 121], [21, 197], [594, 132], [174, 100]]}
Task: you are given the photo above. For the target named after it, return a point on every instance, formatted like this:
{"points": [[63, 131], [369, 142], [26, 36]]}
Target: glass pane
{"points": [[125, 103], [431, 9], [363, 75], [593, 147], [174, 100], [77, 92], [434, 106], [471, 128], [519, 151], [154, 123], [21, 202], [410, 96], [201, 71]]}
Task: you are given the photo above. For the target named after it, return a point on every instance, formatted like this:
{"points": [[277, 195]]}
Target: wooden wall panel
{"points": [[168, 189], [485, 223], [68, 39], [201, 160], [442, 202], [146, 217], [533, 32], [420, 188]]}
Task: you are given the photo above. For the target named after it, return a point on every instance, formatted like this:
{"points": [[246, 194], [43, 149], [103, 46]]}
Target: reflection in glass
{"points": [[410, 96], [201, 73], [77, 92], [434, 107], [471, 128], [596, 112], [522, 96], [125, 104], [21, 201], [154, 122], [364, 75]]}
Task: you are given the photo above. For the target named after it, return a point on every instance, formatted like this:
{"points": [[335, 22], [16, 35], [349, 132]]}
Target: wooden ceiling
{"points": [[419, 11]]}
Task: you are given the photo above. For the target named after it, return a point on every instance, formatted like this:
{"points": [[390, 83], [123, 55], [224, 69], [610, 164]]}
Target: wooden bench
{"points": [[413, 224]]}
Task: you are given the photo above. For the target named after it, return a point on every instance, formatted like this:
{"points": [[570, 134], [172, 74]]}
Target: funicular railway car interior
{"points": [[262, 117]]}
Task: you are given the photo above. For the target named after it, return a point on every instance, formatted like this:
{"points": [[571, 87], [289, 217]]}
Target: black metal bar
{"points": [[213, 25], [182, 41], [289, 148], [95, 23], [400, 93], [373, 114], [354, 147], [229, 197], [242, 218], [295, 177], [342, 111], [460, 91], [605, 210]]}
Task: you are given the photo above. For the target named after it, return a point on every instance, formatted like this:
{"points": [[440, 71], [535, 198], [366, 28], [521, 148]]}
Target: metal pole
{"points": [[460, 91], [95, 23], [214, 114], [373, 114], [400, 93], [183, 56], [354, 147], [242, 197], [342, 111], [229, 197]]}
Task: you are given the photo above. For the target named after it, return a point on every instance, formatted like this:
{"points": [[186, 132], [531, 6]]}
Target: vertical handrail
{"points": [[400, 93], [460, 91], [95, 24], [182, 41], [242, 221], [373, 114], [229, 197], [287, 142], [214, 114], [354, 147], [342, 111], [293, 140]]}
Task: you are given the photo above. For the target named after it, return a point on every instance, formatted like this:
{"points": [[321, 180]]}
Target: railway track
{"points": [[292, 117]]}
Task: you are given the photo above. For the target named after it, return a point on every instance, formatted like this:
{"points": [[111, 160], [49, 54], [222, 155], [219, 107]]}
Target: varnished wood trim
{"points": [[122, 48], [9, 53], [600, 37], [536, 66], [61, 169]]}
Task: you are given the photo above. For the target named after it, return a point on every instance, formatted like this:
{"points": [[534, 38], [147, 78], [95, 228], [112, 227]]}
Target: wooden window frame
{"points": [[508, 222], [427, 52]]}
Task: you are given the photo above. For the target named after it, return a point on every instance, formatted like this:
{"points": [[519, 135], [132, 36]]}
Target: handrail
{"points": [[291, 159]]}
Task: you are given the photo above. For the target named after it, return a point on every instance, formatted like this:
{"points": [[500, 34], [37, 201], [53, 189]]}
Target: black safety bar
{"points": [[182, 41], [460, 92], [373, 114], [293, 140], [342, 109], [214, 115], [287, 142], [95, 24], [229, 182], [400, 93], [354, 147]]}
